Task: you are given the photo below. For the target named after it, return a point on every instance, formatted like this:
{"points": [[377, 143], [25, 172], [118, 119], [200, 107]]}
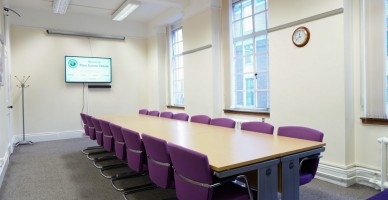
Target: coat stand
{"points": [[23, 85]]}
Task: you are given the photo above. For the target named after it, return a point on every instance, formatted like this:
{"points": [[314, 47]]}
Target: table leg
{"points": [[268, 182], [290, 179]]}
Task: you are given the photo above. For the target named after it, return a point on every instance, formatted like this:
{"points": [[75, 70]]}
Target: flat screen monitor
{"points": [[80, 69]]}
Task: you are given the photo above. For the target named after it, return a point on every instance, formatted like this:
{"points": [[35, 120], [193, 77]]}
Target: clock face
{"points": [[301, 36]]}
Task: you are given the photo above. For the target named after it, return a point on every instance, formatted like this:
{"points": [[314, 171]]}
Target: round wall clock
{"points": [[301, 36]]}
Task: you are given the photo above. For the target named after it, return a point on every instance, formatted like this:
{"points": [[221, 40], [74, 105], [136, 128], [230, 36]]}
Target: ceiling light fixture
{"points": [[125, 9], [60, 6]]}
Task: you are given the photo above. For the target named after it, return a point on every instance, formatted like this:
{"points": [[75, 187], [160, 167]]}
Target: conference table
{"points": [[233, 151]]}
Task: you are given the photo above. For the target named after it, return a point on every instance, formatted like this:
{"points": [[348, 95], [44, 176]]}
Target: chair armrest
{"points": [[313, 157]]}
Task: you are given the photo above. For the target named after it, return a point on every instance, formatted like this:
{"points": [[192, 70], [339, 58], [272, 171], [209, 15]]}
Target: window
{"points": [[177, 75], [386, 65], [250, 72]]}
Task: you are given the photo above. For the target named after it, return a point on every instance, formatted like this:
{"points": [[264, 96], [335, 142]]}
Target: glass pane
{"points": [[179, 35], [262, 100], [239, 69], [179, 87], [180, 74], [262, 62], [248, 64], [237, 29], [249, 83], [180, 48], [238, 49], [261, 44], [260, 22], [249, 98], [262, 81], [239, 99], [178, 99], [236, 11], [179, 62], [246, 8], [239, 82], [247, 26], [248, 47], [176, 74], [259, 5]]}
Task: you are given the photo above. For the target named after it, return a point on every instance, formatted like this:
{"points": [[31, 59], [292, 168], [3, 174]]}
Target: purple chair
{"points": [[194, 180], [166, 115], [108, 139], [92, 131], [153, 113], [308, 165], [143, 111], [181, 116], [85, 124], [159, 161], [203, 119], [108, 145], [224, 122], [99, 133], [261, 127], [380, 196], [119, 143], [135, 160]]}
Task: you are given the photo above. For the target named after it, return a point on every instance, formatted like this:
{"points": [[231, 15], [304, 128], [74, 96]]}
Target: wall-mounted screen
{"points": [[88, 69]]}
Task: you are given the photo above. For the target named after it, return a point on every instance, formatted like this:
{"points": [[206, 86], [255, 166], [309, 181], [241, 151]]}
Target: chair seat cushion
{"points": [[380, 196], [231, 191], [305, 178]]}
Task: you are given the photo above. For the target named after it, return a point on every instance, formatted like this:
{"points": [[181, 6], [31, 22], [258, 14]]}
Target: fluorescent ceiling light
{"points": [[125, 9], [71, 33], [60, 6]]}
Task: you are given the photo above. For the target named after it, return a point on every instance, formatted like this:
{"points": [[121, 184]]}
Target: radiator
{"points": [[384, 144]]}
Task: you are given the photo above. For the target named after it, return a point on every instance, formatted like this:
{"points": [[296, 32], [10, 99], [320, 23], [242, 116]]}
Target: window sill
{"points": [[377, 121], [175, 107], [246, 112]]}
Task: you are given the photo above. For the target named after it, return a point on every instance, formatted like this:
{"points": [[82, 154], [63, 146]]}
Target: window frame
{"points": [[254, 55], [173, 67]]}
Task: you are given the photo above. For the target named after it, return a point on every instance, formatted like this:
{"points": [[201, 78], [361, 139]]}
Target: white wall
{"points": [[51, 105]]}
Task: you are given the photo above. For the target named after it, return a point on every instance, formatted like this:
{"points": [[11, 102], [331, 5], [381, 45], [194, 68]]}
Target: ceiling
{"points": [[148, 10]]}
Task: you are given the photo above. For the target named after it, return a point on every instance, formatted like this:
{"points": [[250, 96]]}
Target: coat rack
{"points": [[23, 85]]}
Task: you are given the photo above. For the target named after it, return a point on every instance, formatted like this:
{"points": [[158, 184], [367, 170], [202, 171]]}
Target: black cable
{"points": [[83, 101]]}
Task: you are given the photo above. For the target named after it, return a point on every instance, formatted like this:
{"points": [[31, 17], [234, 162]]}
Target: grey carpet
{"points": [[58, 170]]}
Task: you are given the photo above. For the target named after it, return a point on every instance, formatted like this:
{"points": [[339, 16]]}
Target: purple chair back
{"points": [[119, 143], [300, 133], [85, 123], [92, 131], [159, 161], [135, 149], [108, 140], [203, 119], [224, 122], [181, 116], [99, 134], [143, 111], [309, 167], [166, 115], [154, 113], [191, 165], [261, 127]]}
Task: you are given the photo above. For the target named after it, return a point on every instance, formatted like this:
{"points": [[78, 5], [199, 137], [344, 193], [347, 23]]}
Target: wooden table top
{"points": [[226, 148]]}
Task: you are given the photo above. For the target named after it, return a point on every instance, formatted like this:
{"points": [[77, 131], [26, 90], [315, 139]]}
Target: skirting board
{"points": [[4, 165], [49, 136], [350, 176]]}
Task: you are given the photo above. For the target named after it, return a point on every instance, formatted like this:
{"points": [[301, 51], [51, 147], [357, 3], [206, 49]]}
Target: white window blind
{"points": [[375, 58]]}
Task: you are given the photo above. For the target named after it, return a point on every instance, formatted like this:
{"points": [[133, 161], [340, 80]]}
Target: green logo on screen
{"points": [[73, 63]]}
